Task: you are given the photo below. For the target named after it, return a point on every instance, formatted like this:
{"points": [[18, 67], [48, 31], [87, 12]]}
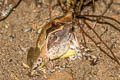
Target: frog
{"points": [[56, 40]]}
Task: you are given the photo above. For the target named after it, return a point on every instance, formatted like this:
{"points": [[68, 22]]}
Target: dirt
{"points": [[15, 42], [60, 75]]}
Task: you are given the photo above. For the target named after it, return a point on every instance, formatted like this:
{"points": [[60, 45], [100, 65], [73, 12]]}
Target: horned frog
{"points": [[57, 40]]}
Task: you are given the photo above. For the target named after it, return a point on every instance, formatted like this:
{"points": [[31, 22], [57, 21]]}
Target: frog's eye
{"points": [[39, 60]]}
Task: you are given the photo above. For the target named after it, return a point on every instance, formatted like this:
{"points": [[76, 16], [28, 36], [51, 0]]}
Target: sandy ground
{"points": [[15, 42]]}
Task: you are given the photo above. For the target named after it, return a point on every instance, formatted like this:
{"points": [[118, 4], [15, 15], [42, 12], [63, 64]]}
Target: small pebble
{"points": [[12, 36], [39, 31], [27, 29], [24, 49], [59, 68], [73, 57], [10, 60], [4, 25]]}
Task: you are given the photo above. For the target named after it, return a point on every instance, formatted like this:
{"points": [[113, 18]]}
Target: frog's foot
{"points": [[92, 58], [77, 55]]}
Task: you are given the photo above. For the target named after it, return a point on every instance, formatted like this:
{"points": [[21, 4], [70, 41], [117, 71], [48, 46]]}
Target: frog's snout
{"points": [[39, 64]]}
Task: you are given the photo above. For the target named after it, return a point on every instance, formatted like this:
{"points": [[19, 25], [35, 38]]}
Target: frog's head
{"points": [[34, 61]]}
